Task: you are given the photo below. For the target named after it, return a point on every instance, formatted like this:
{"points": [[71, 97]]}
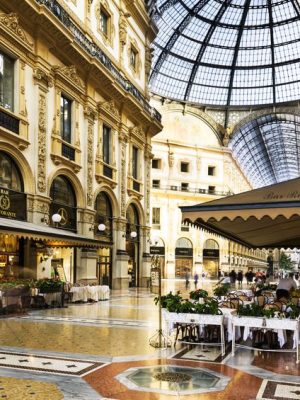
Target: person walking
{"points": [[187, 279], [240, 277], [196, 278]]}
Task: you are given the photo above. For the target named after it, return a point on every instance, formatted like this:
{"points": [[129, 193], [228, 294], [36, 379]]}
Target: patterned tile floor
{"points": [[77, 353]]}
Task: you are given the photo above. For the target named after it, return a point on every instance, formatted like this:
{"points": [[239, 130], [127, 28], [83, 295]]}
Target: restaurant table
{"points": [[94, 293], [276, 324], [201, 320]]}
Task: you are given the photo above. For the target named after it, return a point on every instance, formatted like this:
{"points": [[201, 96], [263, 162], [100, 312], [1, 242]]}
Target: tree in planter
{"points": [[285, 262]]}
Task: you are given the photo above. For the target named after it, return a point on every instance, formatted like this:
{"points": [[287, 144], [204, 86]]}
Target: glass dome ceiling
{"points": [[268, 149], [227, 52]]}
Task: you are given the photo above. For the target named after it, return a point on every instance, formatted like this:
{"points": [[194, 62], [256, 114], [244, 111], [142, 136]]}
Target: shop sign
{"points": [[160, 250], [179, 251], [211, 253], [12, 204]]}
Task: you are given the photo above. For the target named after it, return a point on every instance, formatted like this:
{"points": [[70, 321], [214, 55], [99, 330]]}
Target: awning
{"points": [[268, 217], [53, 236]]}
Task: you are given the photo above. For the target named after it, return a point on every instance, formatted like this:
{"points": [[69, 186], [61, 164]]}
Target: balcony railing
{"points": [[192, 190], [9, 122], [107, 171], [90, 47], [68, 152]]}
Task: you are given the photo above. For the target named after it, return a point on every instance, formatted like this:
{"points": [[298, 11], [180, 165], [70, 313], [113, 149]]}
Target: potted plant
{"points": [[198, 294], [49, 285], [169, 300], [221, 290]]}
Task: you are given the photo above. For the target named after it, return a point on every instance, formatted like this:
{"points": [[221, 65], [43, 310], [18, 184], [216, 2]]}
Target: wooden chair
{"points": [[260, 300]]}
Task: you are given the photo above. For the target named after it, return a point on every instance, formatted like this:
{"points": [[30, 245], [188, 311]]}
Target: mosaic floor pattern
{"points": [[23, 389], [47, 364]]}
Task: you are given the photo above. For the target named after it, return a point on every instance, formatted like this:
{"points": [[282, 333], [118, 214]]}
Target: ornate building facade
{"points": [[75, 139], [192, 164]]}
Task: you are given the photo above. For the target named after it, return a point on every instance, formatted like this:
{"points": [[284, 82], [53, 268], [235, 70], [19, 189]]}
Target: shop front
{"points": [[211, 258], [183, 258]]}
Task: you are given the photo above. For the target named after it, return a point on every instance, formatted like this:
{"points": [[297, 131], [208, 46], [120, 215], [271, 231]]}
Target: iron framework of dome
{"points": [[227, 52], [268, 149]]}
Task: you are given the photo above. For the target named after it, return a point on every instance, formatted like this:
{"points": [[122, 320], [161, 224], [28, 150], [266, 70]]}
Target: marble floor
{"points": [[101, 351]]}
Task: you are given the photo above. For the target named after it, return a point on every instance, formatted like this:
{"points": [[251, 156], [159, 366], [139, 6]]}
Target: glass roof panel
{"points": [[236, 36], [268, 148]]}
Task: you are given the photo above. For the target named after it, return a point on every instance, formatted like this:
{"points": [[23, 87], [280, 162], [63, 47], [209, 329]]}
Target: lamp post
{"points": [[159, 339]]}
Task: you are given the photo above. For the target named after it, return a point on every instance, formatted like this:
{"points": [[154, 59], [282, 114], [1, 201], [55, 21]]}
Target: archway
{"points": [[133, 244], [12, 206], [183, 257], [63, 203], [211, 258], [104, 217]]}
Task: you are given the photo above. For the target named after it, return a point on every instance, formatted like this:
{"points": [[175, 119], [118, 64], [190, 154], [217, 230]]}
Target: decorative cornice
{"points": [[89, 113], [11, 22], [70, 75], [110, 109], [42, 77]]}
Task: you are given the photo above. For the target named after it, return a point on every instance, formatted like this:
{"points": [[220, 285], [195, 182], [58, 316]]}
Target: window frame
{"points": [[66, 137], [135, 162], [11, 60], [103, 12], [106, 144], [211, 168], [155, 216], [184, 164]]}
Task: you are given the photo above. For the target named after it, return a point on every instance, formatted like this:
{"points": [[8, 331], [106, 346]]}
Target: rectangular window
{"points": [[211, 189], [184, 186], [65, 118], [156, 216], [135, 154], [155, 183], [211, 171], [184, 167], [106, 144], [104, 22], [6, 82], [133, 57], [156, 163]]}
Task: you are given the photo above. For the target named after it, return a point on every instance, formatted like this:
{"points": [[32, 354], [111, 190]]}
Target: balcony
{"points": [[68, 152], [9, 122], [94, 51], [191, 190]]}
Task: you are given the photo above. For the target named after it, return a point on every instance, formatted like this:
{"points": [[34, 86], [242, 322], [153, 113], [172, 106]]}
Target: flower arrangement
{"points": [[49, 285], [221, 290], [198, 294]]}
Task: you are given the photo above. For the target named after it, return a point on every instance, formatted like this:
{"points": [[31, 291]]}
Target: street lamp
{"points": [[159, 339]]}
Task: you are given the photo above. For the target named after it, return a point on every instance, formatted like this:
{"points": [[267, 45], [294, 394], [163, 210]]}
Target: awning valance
{"points": [[53, 236], [268, 217]]}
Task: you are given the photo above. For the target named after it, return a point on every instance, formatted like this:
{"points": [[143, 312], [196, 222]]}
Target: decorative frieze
{"points": [[70, 77], [42, 78], [10, 22], [42, 150]]}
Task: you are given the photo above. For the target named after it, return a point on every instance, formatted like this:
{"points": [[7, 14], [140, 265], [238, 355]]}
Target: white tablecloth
{"points": [[276, 324], [85, 293], [171, 319]]}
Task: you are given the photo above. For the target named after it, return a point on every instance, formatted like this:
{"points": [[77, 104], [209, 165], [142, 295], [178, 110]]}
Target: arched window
{"points": [[133, 223], [211, 244], [64, 202], [103, 214], [184, 243], [10, 176]]}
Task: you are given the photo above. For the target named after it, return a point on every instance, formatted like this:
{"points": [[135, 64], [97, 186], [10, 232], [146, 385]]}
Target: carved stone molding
{"points": [[42, 150], [11, 23], [70, 76], [123, 27], [42, 78], [90, 164], [89, 113], [110, 109], [123, 180]]}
